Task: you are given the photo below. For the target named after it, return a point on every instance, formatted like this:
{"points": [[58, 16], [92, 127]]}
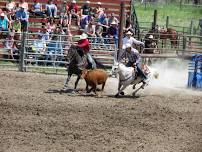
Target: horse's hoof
{"points": [[122, 93], [117, 95], [134, 86]]}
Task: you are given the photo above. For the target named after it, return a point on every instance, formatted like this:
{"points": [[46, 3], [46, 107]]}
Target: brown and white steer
{"points": [[93, 78]]}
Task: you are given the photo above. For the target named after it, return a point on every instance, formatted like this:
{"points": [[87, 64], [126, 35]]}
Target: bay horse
{"points": [[164, 34]]}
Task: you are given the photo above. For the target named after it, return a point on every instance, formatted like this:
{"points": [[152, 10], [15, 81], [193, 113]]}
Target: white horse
{"points": [[128, 76]]}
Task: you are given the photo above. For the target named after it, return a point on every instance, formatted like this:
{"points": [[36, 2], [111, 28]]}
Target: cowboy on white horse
{"points": [[134, 60]]}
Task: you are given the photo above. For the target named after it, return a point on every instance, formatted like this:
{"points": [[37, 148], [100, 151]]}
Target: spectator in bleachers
{"points": [[50, 25], [39, 45], [85, 21], [128, 25], [99, 9], [23, 4], [22, 15], [45, 34], [103, 21], [37, 9], [65, 26], [16, 25], [10, 6], [90, 29], [99, 33], [51, 9], [10, 45], [72, 10], [64, 17], [112, 18], [112, 32], [52, 49], [4, 25], [85, 9]]}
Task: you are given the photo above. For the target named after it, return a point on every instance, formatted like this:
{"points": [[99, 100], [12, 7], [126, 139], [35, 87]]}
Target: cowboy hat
{"points": [[83, 36], [129, 33], [151, 37], [113, 23], [11, 34], [99, 3], [2, 14], [73, 1], [127, 45], [87, 2]]}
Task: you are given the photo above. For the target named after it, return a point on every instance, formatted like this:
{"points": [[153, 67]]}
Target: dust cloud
{"points": [[173, 73]]}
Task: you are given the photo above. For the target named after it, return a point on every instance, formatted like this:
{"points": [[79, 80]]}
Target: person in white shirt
{"points": [[131, 40]]}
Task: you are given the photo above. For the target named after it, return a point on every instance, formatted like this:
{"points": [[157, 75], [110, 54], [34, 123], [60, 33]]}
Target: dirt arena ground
{"points": [[34, 116]]}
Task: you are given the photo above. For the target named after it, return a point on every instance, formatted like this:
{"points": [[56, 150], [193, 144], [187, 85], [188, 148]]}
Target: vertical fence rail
{"points": [[22, 53]]}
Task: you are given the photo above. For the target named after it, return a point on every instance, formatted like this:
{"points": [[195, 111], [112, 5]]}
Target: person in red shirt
{"points": [[72, 10], [84, 44]]}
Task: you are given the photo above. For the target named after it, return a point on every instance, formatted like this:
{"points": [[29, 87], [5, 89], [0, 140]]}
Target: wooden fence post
{"points": [[180, 4], [184, 45], [121, 26], [22, 53], [167, 21], [155, 19]]}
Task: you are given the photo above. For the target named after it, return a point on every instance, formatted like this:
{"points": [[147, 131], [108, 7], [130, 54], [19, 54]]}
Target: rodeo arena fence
{"points": [[27, 56]]}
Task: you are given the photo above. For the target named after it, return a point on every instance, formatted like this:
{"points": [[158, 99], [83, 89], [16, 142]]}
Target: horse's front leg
{"points": [[67, 81], [76, 83]]}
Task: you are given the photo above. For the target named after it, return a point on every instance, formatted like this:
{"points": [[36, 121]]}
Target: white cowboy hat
{"points": [[129, 33], [99, 3], [127, 45], [23, 6], [113, 23], [151, 37], [83, 36], [73, 1], [87, 2], [2, 14]]}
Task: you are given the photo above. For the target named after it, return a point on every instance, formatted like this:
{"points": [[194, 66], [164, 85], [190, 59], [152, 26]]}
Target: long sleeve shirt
{"points": [[22, 15], [84, 44], [132, 56], [132, 41]]}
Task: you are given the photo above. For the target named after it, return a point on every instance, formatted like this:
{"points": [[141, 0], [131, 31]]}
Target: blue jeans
{"points": [[139, 69], [91, 60]]}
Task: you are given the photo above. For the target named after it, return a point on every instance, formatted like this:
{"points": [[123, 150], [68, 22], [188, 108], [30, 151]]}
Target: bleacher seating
{"points": [[109, 5]]}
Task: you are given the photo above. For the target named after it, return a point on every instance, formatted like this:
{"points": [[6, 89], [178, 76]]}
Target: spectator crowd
{"points": [[101, 28]]}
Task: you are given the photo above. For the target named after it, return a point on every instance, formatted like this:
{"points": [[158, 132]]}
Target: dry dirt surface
{"points": [[36, 117]]}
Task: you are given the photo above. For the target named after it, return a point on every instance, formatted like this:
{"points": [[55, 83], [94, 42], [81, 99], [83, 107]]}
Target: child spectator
{"points": [[72, 9], [22, 15], [50, 25], [51, 9], [112, 18], [24, 5], [36, 9], [85, 9], [10, 45], [16, 25]]}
